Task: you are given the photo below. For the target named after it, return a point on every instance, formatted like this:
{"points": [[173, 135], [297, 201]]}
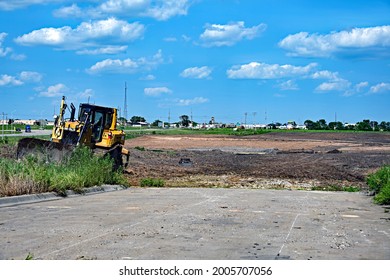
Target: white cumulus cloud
{"points": [[257, 70], [3, 50], [127, 65], [20, 79], [325, 74], [7, 80], [218, 35], [157, 9], [197, 72], [165, 9], [87, 93], [104, 50], [337, 85], [29, 76], [70, 11], [288, 85], [360, 86], [317, 45], [55, 91], [334, 81], [193, 101], [93, 33], [148, 77], [380, 88], [10, 5], [157, 91]]}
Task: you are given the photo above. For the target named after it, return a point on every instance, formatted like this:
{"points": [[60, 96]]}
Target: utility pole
{"points": [[3, 127], [191, 119], [169, 118], [125, 105]]}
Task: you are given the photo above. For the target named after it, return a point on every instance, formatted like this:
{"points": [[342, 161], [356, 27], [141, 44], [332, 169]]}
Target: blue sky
{"points": [[271, 60]]}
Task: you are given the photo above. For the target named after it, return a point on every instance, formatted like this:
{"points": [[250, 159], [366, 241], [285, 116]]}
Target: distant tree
{"points": [[311, 125], [137, 119], [185, 121], [322, 124], [364, 125], [384, 126], [336, 126], [156, 123], [122, 120], [349, 127], [271, 126], [374, 125]]}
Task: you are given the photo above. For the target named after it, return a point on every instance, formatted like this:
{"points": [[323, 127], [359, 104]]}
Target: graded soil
{"points": [[291, 160]]}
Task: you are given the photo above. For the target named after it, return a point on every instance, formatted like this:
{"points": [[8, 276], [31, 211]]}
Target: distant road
{"points": [[35, 132]]}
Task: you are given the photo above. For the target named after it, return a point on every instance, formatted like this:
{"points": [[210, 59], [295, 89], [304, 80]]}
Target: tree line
{"points": [[365, 125]]}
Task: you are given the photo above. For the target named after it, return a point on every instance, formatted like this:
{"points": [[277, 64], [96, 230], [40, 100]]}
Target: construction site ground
{"points": [[290, 160]]}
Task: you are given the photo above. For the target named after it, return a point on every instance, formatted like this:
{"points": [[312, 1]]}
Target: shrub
{"points": [[379, 183]]}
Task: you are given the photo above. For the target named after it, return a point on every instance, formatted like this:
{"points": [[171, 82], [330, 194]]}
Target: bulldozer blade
{"points": [[44, 150]]}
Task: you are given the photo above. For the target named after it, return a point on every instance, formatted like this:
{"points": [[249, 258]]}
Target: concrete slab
{"points": [[198, 224]]}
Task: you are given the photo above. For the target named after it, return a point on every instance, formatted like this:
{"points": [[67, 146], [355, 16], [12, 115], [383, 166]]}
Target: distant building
{"points": [[300, 126], [26, 122], [140, 124], [291, 125]]}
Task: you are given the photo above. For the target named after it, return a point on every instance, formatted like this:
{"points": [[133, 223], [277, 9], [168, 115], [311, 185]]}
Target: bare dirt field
{"points": [[274, 160]]}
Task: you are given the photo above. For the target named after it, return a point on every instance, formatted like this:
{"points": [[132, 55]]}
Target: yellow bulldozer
{"points": [[95, 127]]}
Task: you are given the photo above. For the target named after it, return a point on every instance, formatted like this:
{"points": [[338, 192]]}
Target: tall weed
{"points": [[379, 182], [81, 170]]}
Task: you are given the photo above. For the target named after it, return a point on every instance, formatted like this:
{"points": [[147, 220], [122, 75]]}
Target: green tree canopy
{"points": [[137, 119], [185, 120], [156, 123]]}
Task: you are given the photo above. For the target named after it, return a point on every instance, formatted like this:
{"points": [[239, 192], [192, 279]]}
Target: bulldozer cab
{"points": [[101, 118]]}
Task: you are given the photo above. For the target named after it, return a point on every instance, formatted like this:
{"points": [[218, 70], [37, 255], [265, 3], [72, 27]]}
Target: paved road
{"points": [[198, 224], [34, 132]]}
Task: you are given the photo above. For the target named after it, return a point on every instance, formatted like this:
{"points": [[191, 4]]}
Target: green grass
{"points": [[132, 133], [379, 183], [81, 170], [13, 140], [152, 182], [137, 132], [336, 188]]}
